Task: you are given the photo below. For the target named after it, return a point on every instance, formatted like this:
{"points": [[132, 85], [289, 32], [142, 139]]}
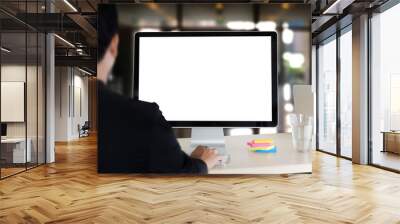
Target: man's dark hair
{"points": [[107, 27]]}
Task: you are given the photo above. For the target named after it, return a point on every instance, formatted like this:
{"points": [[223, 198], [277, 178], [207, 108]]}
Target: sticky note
{"points": [[262, 146], [262, 141], [259, 144], [268, 151], [265, 150]]}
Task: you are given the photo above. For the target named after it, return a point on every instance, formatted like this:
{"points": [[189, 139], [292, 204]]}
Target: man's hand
{"points": [[208, 155]]}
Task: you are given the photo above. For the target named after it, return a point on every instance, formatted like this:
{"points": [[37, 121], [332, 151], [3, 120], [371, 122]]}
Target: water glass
{"points": [[302, 132]]}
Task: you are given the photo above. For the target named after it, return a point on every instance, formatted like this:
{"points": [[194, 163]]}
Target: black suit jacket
{"points": [[134, 137]]}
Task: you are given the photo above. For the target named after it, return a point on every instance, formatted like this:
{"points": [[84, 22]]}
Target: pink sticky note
{"points": [[252, 145]]}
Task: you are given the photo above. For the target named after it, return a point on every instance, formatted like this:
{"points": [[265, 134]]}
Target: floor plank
{"points": [[71, 191]]}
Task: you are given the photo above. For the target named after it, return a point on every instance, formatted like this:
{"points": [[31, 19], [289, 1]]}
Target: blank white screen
{"points": [[207, 78]]}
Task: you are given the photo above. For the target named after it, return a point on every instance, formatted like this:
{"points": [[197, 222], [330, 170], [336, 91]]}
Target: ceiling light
{"points": [[289, 107], [286, 92], [295, 60], [64, 40], [70, 5], [241, 25], [5, 50], [84, 71], [149, 30], [287, 34], [207, 23], [266, 26]]}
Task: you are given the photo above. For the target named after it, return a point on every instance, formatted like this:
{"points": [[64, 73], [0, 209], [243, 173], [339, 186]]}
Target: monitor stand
{"points": [[213, 138]]}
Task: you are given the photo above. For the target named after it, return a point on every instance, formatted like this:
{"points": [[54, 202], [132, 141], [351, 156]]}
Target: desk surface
{"points": [[285, 161], [13, 140], [391, 132]]}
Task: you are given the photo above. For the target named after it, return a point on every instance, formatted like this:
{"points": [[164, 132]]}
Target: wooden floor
{"points": [[5, 172], [70, 191]]}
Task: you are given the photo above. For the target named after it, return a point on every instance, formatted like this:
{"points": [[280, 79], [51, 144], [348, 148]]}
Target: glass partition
{"points": [[326, 127], [22, 77], [15, 151], [346, 93], [385, 89]]}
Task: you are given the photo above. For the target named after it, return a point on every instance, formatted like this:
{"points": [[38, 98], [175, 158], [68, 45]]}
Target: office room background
{"points": [[25, 63], [207, 110]]}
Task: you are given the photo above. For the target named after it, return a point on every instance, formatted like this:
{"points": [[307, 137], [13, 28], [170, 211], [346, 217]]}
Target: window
{"points": [[385, 89], [327, 96], [346, 93]]}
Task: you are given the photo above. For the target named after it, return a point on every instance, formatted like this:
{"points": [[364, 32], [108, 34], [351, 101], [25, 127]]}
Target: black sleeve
{"points": [[166, 155]]}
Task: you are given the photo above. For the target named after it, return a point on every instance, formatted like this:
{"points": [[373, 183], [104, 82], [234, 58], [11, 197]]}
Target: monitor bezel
{"points": [[274, 77]]}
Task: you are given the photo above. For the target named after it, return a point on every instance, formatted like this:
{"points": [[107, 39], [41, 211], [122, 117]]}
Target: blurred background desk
{"points": [[391, 141], [285, 161], [13, 150]]}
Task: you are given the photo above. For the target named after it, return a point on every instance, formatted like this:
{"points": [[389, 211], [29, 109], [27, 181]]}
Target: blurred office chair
{"points": [[84, 130]]}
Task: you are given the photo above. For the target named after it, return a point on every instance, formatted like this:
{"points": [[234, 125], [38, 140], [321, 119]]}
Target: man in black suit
{"points": [[133, 136]]}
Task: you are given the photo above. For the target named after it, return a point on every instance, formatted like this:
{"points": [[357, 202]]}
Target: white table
{"points": [[285, 161], [19, 153]]}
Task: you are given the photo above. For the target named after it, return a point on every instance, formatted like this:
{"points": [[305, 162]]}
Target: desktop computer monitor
{"points": [[209, 80]]}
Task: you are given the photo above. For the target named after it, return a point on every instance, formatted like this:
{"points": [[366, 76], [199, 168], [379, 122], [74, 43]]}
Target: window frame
{"points": [[333, 37]]}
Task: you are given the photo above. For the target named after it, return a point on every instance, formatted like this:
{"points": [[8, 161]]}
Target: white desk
{"points": [[19, 155], [285, 161]]}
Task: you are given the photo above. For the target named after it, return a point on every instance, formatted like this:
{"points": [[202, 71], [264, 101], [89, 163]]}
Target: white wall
{"points": [[71, 93], [62, 81]]}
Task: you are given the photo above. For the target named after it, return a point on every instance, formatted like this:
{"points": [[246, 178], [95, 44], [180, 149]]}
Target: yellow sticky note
{"points": [[262, 140]]}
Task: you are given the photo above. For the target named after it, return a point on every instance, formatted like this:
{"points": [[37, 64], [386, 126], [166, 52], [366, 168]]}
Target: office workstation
{"points": [[205, 81], [286, 159], [211, 80]]}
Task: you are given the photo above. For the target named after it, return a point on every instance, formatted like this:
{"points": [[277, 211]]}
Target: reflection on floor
{"points": [[387, 159], [346, 152], [10, 169]]}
